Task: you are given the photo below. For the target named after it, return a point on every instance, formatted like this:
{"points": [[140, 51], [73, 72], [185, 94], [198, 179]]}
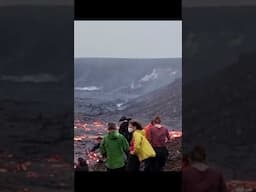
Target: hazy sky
{"points": [[128, 39]]}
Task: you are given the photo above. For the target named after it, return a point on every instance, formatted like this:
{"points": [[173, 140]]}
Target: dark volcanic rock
{"points": [[165, 102], [219, 113], [35, 74]]}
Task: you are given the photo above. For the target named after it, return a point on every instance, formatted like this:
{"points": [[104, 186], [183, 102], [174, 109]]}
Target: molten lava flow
{"points": [[98, 124], [234, 186], [89, 132], [92, 158], [175, 134], [80, 125], [80, 138]]}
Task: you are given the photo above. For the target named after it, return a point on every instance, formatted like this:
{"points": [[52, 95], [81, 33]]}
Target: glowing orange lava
{"points": [[92, 157], [234, 186], [80, 138], [175, 134], [98, 124]]}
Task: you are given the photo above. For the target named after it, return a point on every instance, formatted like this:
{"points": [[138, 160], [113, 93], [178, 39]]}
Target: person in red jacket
{"points": [[147, 129], [185, 161], [159, 136], [199, 177]]}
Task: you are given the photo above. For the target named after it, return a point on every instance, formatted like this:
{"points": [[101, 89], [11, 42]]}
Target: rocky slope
{"points": [[218, 112], [36, 98], [173, 163], [165, 102]]}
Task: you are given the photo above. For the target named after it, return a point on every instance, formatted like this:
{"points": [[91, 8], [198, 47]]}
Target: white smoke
{"points": [[90, 88], [151, 76], [132, 85], [173, 73], [135, 86]]}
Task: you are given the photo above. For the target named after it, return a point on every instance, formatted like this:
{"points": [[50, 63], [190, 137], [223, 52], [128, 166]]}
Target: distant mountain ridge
{"points": [[122, 79], [34, 44], [115, 73], [214, 37]]}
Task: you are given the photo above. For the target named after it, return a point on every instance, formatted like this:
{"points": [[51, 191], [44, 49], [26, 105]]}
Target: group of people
{"points": [[131, 146]]}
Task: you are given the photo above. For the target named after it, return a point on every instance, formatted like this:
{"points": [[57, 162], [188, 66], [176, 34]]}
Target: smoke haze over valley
{"points": [[108, 86]]}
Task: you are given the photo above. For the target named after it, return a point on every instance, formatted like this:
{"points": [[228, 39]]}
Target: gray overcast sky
{"points": [[128, 39]]}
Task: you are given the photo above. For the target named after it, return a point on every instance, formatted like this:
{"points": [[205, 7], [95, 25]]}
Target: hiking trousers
{"points": [[161, 157], [121, 169], [133, 163], [150, 164]]}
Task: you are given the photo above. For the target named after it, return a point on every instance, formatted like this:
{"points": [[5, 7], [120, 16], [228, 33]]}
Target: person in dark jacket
{"points": [[97, 144], [82, 165], [123, 128], [199, 177], [185, 161]]}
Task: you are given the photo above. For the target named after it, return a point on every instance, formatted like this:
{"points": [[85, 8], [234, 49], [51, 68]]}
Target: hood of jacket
{"points": [[113, 135], [200, 166], [158, 126], [142, 132]]}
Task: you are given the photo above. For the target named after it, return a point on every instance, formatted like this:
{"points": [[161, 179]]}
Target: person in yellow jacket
{"points": [[140, 149]]}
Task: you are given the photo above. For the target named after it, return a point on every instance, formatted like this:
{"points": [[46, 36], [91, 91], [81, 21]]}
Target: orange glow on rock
{"points": [[175, 134]]}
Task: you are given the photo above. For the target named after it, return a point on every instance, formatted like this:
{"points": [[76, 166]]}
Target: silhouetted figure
{"points": [[82, 165], [123, 128], [97, 144], [185, 161], [199, 177]]}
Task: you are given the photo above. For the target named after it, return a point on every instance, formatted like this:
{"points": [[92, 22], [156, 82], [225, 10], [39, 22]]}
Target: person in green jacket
{"points": [[113, 147]]}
